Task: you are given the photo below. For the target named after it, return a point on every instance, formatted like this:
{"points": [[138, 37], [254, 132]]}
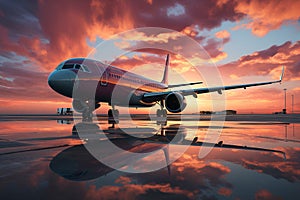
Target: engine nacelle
{"points": [[175, 102]]}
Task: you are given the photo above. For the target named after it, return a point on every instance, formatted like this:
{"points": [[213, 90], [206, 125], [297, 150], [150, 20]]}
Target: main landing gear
{"points": [[161, 115], [161, 112], [113, 116]]}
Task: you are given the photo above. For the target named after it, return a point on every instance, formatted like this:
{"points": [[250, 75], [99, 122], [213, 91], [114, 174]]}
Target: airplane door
{"points": [[104, 78], [103, 74]]}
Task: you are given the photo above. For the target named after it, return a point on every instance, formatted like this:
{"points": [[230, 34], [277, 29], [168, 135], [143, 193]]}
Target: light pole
{"points": [[284, 110], [292, 104]]}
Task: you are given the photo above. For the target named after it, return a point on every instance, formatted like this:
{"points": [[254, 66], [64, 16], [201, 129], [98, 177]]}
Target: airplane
{"points": [[134, 90]]}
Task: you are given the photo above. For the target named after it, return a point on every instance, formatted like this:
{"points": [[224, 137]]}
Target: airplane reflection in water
{"points": [[224, 173], [78, 164]]}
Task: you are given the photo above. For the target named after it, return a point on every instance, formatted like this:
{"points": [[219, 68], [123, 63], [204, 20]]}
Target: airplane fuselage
{"points": [[90, 79], [90, 82]]}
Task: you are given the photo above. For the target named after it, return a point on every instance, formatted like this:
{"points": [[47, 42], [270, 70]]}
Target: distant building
{"points": [[224, 112], [64, 111], [283, 112], [227, 112], [205, 112]]}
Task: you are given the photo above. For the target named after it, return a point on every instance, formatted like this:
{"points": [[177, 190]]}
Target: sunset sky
{"points": [[249, 41]]}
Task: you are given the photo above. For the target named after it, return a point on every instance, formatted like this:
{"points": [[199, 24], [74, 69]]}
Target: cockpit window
{"points": [[68, 66], [77, 66], [85, 68], [73, 66], [60, 66], [81, 67]]}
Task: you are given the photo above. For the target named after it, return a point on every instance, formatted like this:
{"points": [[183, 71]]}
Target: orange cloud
{"points": [[225, 191], [133, 191], [42, 34], [265, 194], [123, 180], [222, 34], [268, 15], [264, 62]]}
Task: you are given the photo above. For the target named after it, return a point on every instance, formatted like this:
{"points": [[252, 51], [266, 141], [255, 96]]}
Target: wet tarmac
{"points": [[48, 157]]}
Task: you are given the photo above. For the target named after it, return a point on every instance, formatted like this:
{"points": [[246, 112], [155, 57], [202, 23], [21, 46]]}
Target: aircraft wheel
{"points": [[159, 113], [110, 113], [87, 115], [164, 113], [116, 113]]}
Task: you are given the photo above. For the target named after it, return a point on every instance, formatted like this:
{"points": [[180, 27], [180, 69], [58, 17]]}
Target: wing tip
{"points": [[282, 74]]}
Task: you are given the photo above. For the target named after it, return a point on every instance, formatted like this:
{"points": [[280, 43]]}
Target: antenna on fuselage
{"points": [[166, 72]]}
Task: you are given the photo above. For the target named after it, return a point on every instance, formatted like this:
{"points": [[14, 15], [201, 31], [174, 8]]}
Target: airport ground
{"points": [[285, 118], [44, 157]]}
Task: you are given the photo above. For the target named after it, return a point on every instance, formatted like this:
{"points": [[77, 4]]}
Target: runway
{"points": [[47, 157]]}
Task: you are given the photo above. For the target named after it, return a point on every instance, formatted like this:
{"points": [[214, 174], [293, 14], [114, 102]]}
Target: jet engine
{"points": [[175, 102]]}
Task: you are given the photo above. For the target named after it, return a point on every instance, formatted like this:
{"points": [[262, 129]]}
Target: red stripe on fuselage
{"points": [[110, 77]]}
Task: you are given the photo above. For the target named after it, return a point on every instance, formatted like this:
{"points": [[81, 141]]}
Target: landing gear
{"points": [[161, 112], [86, 108], [113, 113], [161, 115], [87, 115], [113, 116]]}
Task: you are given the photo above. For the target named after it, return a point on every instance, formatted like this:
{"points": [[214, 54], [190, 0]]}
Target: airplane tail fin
{"points": [[166, 72]]}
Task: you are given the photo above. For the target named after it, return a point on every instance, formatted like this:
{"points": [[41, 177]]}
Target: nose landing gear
{"points": [[87, 108], [87, 115]]}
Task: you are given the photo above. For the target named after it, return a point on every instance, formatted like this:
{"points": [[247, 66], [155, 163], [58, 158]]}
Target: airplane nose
{"points": [[62, 82]]}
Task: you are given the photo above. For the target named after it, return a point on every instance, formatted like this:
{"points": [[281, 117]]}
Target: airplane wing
{"points": [[158, 139], [156, 96], [185, 84]]}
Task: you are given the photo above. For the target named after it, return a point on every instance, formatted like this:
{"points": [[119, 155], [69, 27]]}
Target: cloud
{"points": [[262, 66], [222, 34], [225, 191], [163, 41], [128, 190], [265, 194], [205, 179], [38, 35], [265, 16], [47, 33], [23, 88], [20, 18], [269, 61]]}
